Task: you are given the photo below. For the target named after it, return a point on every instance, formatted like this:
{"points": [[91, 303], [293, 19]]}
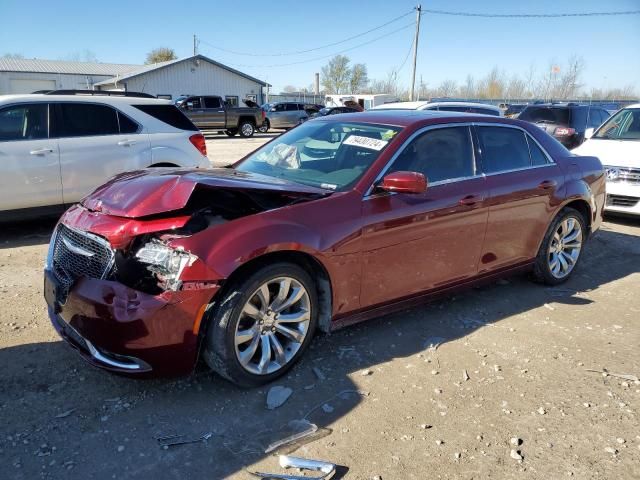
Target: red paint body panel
{"points": [[381, 252]]}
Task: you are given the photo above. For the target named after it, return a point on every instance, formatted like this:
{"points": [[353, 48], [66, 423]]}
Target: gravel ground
{"points": [[504, 391]]}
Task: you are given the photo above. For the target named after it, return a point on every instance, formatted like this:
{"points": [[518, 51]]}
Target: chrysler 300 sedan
{"points": [[339, 220]]}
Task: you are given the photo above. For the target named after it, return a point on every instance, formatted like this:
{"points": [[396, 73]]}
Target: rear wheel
{"points": [[231, 133], [561, 248], [262, 325], [247, 129]]}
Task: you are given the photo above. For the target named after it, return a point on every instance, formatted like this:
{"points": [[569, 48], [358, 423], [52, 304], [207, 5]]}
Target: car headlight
{"points": [[165, 262]]}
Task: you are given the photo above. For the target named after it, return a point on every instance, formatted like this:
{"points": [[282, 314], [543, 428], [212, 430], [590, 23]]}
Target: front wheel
{"points": [[262, 325], [561, 248], [247, 129], [264, 128]]}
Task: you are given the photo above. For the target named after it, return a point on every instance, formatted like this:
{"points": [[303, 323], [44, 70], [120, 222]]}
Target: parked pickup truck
{"points": [[211, 112]]}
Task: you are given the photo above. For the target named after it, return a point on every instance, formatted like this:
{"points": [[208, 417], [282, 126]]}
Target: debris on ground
{"points": [[515, 441], [287, 462], [277, 396], [65, 414], [605, 373], [318, 373], [432, 343], [173, 440], [301, 428], [366, 372], [515, 454], [465, 375]]}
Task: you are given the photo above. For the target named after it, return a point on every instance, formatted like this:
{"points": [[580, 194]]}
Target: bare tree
{"points": [[359, 78], [289, 89], [82, 56], [336, 75], [161, 54], [14, 56], [468, 90], [447, 88], [516, 88], [569, 83]]}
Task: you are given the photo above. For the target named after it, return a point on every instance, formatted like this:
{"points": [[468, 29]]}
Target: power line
{"points": [[298, 52], [531, 15], [324, 56]]}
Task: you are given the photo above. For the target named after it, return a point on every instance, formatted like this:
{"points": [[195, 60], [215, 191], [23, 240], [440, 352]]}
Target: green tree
{"points": [[336, 75], [162, 54], [359, 78]]}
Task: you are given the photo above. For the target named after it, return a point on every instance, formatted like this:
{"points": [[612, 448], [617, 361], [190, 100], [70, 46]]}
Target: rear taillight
{"points": [[564, 131], [264, 114], [198, 141]]}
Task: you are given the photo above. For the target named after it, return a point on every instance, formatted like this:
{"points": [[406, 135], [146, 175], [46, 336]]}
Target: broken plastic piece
{"points": [[303, 429], [286, 461], [173, 440]]}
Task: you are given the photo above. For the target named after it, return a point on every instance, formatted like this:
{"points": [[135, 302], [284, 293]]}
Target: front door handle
{"points": [[547, 184], [470, 200], [41, 151], [126, 143]]}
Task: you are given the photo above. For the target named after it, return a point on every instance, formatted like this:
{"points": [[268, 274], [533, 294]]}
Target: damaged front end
{"points": [[120, 286]]}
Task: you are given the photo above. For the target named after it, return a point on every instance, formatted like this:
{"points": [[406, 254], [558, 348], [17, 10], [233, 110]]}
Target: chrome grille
{"points": [[80, 254], [621, 201], [624, 175]]}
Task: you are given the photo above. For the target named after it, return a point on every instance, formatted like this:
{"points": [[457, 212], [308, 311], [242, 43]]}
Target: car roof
{"points": [[425, 104], [406, 118], [38, 97]]}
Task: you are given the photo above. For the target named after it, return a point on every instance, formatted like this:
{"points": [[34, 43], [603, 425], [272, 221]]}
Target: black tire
{"points": [[264, 128], [247, 129], [219, 344], [542, 271], [231, 133]]}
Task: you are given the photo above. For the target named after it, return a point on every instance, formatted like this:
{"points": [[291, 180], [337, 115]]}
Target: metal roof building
{"points": [[195, 75]]}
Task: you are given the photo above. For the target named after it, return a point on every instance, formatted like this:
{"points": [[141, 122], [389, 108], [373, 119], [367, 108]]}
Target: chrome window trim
{"points": [[370, 193]]}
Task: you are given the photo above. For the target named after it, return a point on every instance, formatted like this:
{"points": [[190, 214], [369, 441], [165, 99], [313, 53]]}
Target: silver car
{"points": [[284, 114]]}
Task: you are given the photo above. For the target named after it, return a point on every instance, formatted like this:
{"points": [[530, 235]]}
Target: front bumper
{"points": [[623, 198], [129, 332]]}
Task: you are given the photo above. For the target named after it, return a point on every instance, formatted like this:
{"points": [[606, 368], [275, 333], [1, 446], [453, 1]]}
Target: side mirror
{"points": [[404, 182], [272, 109], [588, 133]]}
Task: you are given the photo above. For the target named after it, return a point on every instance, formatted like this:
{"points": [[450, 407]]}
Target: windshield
{"points": [[558, 115], [329, 155], [624, 125]]}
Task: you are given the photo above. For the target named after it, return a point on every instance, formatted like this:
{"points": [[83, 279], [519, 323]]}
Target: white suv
{"points": [[54, 149], [617, 143]]}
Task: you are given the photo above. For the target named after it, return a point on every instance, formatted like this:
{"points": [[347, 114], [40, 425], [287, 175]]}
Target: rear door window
{"points": [[126, 124], [24, 122], [212, 102], [503, 149], [291, 107], [538, 157], [85, 120], [280, 107]]}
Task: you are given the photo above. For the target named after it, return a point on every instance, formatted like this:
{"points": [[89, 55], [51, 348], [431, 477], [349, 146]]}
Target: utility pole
{"points": [[415, 51], [195, 45]]}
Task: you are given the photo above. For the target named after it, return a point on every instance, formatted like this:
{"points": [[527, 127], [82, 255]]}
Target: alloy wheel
{"points": [[273, 325], [247, 130], [565, 247]]}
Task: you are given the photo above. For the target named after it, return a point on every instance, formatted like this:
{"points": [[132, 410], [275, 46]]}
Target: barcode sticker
{"points": [[365, 142]]}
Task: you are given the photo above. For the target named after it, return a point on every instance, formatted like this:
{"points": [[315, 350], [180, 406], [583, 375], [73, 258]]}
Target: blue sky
{"points": [[449, 47]]}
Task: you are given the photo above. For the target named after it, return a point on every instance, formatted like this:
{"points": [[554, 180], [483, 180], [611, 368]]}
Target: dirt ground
{"points": [[510, 360]]}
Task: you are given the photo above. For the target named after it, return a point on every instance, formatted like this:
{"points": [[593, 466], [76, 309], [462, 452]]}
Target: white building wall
{"points": [[62, 80], [188, 78]]}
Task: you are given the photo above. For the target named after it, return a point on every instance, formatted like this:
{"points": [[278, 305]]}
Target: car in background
{"points": [[566, 122], [463, 107], [617, 144], [323, 112], [342, 219], [211, 112], [54, 149], [514, 109], [287, 114]]}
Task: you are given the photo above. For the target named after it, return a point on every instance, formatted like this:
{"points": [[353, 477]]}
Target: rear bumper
{"points": [[623, 198], [129, 332]]}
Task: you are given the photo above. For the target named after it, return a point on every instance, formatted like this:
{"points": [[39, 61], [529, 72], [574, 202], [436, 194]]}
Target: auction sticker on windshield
{"points": [[365, 142]]}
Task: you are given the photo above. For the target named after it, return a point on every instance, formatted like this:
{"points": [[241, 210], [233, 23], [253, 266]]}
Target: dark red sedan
{"points": [[338, 220]]}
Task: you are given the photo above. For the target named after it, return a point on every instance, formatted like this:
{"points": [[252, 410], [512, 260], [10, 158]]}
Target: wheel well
{"points": [[251, 120], [584, 208], [164, 164], [304, 260]]}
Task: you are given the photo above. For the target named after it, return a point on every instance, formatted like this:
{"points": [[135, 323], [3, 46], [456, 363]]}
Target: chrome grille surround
{"points": [[76, 253], [623, 174]]}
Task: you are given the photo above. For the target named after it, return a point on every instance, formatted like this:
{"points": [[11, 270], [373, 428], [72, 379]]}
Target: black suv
{"points": [[565, 121]]}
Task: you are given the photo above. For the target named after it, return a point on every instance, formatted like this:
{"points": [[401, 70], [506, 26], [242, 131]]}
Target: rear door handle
{"points": [[547, 184], [41, 151], [470, 200], [126, 143]]}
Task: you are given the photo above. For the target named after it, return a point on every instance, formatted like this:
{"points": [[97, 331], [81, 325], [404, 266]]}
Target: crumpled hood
{"points": [[154, 191]]}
